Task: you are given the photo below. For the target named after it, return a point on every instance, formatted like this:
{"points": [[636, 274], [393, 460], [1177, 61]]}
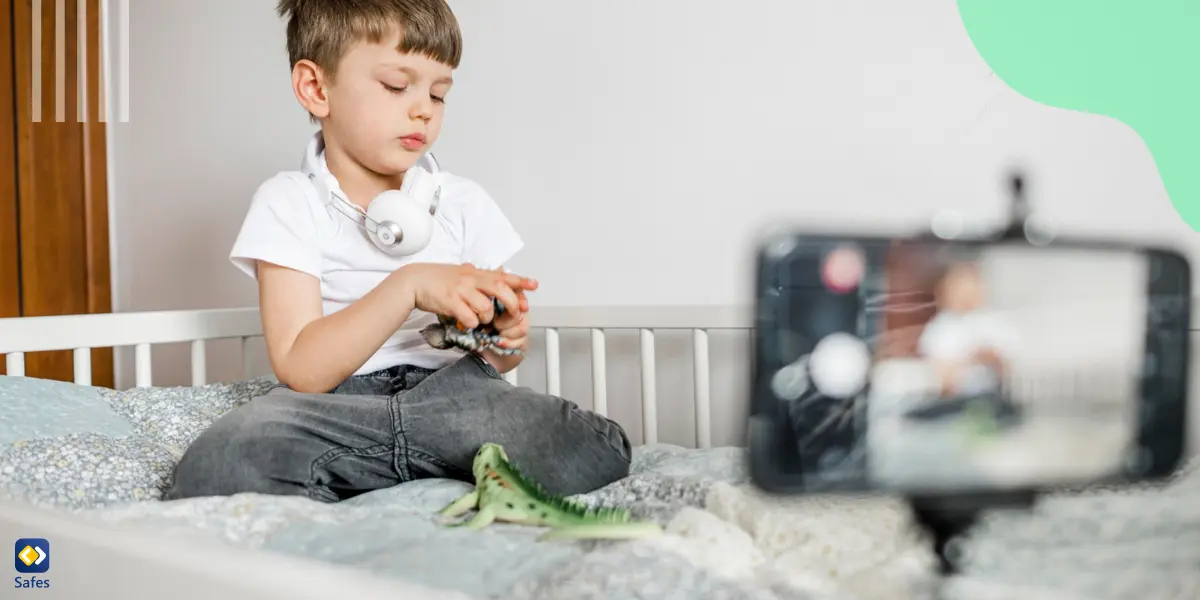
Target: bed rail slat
{"points": [[142, 330], [14, 364], [599, 374], [246, 372], [642, 317], [649, 400], [142, 367], [199, 368], [553, 376], [111, 330], [82, 359], [703, 408]]}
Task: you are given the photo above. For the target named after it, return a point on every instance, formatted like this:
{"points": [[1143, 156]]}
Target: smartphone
{"points": [[919, 365]]}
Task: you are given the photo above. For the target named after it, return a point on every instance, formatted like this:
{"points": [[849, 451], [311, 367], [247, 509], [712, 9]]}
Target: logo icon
{"points": [[32, 555]]}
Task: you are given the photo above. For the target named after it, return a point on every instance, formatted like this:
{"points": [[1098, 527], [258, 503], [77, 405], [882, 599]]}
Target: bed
{"points": [[83, 467]]}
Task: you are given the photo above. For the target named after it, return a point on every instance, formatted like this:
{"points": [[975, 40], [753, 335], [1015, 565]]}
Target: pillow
{"points": [[64, 445], [41, 408]]}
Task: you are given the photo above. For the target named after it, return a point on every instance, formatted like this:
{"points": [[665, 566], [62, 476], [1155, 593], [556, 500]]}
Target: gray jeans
{"points": [[375, 431]]}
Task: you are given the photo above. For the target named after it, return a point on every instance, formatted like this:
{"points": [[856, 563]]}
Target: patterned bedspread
{"points": [[726, 540], [106, 455]]}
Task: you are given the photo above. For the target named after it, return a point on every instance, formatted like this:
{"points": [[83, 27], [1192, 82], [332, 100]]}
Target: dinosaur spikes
{"points": [[500, 483], [610, 515], [560, 503]]}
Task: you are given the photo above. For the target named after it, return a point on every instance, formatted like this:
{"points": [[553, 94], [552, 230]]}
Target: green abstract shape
{"points": [[1136, 61]]}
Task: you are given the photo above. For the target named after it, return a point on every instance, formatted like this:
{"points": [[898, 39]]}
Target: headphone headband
{"points": [[325, 182], [398, 222]]}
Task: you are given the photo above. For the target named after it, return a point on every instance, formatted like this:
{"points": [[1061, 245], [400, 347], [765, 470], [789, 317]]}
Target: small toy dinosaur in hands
{"points": [[449, 332]]}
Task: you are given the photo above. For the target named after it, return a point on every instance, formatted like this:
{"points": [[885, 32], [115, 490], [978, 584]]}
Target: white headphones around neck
{"points": [[399, 222]]}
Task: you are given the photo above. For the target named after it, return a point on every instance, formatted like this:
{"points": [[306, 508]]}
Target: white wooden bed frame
{"points": [[141, 330]]}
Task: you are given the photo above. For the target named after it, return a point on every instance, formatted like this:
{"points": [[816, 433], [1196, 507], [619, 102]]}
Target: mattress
{"points": [[725, 539]]}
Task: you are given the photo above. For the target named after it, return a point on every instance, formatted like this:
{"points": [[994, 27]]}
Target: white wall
{"points": [[671, 129], [1069, 308]]}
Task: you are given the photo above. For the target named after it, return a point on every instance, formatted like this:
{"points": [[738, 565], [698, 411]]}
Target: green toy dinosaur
{"points": [[502, 494]]}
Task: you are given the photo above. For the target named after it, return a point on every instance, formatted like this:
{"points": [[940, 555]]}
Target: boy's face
{"points": [[385, 108], [961, 289]]}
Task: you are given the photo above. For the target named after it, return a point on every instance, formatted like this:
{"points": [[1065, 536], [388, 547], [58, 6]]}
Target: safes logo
{"points": [[31, 555]]}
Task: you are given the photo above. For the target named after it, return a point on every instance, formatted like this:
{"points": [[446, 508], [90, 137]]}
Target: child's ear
{"points": [[308, 83]]}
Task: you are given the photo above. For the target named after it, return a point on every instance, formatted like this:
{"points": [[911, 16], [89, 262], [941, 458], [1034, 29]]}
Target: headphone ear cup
{"points": [[407, 218]]}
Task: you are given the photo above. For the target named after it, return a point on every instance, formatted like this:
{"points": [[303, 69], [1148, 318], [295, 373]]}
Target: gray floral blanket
{"points": [[105, 455], [725, 540]]}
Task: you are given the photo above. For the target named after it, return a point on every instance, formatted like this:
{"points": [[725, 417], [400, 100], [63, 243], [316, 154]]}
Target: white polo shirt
{"points": [[955, 337], [291, 225]]}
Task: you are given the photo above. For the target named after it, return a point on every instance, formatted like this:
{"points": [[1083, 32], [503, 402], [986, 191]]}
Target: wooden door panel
{"points": [[59, 199], [95, 192], [910, 301], [10, 274]]}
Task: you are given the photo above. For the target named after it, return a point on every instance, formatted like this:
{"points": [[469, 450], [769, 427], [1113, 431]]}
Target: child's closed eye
{"points": [[400, 90]]}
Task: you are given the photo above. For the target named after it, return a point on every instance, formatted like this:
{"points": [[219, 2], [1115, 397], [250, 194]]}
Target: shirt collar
{"points": [[314, 159]]}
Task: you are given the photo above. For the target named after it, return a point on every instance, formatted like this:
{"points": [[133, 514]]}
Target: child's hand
{"points": [[513, 328], [986, 355], [948, 374], [463, 291]]}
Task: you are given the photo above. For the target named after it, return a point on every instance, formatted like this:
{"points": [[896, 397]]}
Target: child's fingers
{"points": [[511, 343], [481, 305], [519, 285], [504, 294], [508, 319], [520, 329], [518, 282], [463, 313], [523, 301]]}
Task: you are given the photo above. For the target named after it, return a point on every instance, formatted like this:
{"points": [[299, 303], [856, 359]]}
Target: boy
{"points": [[968, 343], [969, 346], [364, 402]]}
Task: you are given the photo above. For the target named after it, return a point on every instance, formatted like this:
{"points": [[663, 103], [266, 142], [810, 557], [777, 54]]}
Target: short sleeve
{"points": [[931, 334], [279, 228], [489, 239]]}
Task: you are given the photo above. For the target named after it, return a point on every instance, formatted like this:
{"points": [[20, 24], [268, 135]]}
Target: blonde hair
{"points": [[323, 30]]}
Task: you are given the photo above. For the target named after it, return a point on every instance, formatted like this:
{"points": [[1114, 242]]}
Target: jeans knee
{"points": [[240, 453], [613, 437], [612, 462], [591, 450]]}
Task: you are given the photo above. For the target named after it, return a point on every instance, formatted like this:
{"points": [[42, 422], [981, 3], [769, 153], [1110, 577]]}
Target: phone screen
{"points": [[934, 366]]}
